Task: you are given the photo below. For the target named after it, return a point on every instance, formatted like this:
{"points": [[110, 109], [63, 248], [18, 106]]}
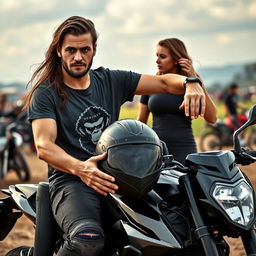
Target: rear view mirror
{"points": [[251, 121], [252, 115]]}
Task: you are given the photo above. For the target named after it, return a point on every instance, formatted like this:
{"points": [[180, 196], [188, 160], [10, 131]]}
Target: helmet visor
{"points": [[135, 159]]}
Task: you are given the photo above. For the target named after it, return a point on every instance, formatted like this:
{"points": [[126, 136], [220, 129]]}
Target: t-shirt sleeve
{"points": [[144, 99], [127, 82], [41, 105]]}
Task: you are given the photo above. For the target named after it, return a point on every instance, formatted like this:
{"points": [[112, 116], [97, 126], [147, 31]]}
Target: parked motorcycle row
{"points": [[189, 211]]}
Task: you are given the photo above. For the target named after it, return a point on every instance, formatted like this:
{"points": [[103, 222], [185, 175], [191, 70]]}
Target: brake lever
{"points": [[170, 163], [243, 157]]}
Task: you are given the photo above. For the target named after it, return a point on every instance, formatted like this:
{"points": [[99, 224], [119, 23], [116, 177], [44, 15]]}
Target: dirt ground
{"points": [[23, 231]]}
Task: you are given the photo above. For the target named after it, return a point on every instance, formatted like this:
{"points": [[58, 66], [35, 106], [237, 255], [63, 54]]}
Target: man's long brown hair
{"points": [[50, 69]]}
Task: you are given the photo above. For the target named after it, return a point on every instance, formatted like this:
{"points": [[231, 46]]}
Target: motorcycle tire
{"points": [[21, 166], [21, 251], [210, 141]]}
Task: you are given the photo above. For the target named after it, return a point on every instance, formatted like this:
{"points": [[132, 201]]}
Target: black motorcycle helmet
{"points": [[134, 156]]}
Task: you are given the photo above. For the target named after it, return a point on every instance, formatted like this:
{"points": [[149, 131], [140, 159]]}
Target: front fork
{"points": [[5, 161], [249, 241], [201, 231], [209, 244]]}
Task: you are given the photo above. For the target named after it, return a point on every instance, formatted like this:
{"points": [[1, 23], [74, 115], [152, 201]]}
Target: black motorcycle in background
{"points": [[190, 210], [23, 126], [12, 157]]}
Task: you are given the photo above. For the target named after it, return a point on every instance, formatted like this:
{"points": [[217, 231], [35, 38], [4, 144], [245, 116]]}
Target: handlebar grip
{"points": [[250, 152]]}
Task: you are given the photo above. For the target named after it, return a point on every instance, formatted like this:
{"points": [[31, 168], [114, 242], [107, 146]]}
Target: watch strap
{"points": [[192, 79]]}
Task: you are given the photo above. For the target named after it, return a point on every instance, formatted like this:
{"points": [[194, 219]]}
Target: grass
{"points": [[197, 124]]}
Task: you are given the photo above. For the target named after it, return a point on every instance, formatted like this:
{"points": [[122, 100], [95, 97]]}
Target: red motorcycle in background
{"points": [[220, 134]]}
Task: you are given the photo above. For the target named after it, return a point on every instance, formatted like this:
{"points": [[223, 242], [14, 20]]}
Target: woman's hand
{"points": [[96, 179], [187, 67]]}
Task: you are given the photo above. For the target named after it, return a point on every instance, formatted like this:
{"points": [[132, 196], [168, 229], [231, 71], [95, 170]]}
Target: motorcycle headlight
{"points": [[236, 201]]}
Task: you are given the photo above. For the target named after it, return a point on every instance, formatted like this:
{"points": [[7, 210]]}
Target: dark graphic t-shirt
{"points": [[87, 113]]}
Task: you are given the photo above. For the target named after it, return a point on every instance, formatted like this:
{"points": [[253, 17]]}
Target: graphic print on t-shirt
{"points": [[90, 126]]}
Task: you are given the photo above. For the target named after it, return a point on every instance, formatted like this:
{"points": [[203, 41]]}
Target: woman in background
{"points": [[169, 120]]}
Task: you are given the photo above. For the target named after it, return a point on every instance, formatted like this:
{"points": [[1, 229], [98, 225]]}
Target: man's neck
{"points": [[77, 83]]}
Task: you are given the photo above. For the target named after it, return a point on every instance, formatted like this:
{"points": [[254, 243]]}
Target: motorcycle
{"points": [[24, 128], [189, 211], [11, 155], [220, 134]]}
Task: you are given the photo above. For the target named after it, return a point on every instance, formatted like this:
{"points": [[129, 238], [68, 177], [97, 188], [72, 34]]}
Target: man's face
{"points": [[77, 54]]}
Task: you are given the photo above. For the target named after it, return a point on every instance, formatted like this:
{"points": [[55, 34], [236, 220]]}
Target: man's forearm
{"points": [[57, 158], [174, 83], [154, 84]]}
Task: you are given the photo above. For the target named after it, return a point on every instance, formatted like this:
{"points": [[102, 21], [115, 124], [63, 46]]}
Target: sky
{"points": [[216, 32]]}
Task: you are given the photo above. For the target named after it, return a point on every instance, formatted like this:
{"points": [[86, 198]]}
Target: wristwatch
{"points": [[192, 79]]}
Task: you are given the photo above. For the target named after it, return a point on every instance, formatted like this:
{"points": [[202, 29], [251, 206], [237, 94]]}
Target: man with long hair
{"points": [[69, 107]]}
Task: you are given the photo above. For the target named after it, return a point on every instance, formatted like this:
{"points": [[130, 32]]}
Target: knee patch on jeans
{"points": [[87, 239]]}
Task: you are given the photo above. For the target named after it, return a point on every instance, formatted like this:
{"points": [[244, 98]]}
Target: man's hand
{"points": [[194, 100], [96, 179]]}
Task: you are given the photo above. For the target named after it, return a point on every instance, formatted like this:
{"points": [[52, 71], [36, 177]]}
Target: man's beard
{"points": [[76, 74]]}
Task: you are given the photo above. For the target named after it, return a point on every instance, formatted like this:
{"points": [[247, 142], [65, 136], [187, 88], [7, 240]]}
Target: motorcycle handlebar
{"points": [[245, 157], [10, 127], [250, 152]]}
